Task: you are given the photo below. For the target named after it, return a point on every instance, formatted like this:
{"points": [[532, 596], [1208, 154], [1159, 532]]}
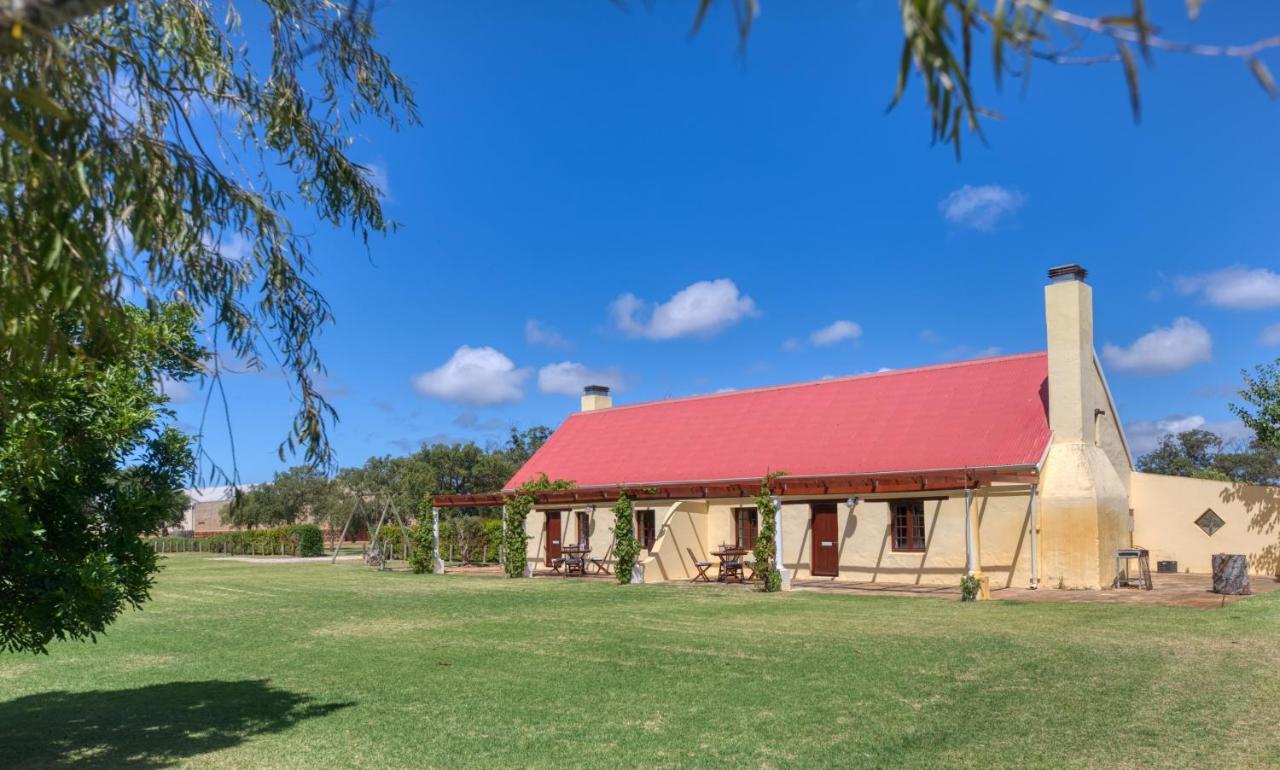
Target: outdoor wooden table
{"points": [[730, 564], [575, 559]]}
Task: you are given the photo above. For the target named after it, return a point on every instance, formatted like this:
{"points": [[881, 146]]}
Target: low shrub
{"points": [[310, 541]]}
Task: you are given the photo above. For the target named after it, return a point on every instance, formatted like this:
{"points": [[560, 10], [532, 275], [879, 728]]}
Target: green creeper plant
{"points": [[765, 550], [625, 546], [516, 510]]}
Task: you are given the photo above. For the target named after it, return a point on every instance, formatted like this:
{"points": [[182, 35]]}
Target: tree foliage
{"points": [[1261, 408], [943, 39], [1203, 454], [88, 464], [138, 141]]}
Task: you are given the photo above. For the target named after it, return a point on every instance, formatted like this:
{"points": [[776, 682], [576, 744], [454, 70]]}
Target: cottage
{"points": [[1013, 469]]}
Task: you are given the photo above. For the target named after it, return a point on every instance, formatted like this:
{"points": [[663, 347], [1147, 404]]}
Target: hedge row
{"points": [[290, 540]]}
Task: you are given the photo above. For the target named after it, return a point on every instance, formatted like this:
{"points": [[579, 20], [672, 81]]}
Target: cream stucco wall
{"points": [[689, 530], [1084, 489], [1166, 507], [599, 533]]}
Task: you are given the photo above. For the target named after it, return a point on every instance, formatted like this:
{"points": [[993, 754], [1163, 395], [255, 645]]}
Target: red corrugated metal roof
{"points": [[974, 414]]}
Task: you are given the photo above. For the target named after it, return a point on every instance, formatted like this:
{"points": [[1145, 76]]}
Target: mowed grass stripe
{"points": [[238, 665]]}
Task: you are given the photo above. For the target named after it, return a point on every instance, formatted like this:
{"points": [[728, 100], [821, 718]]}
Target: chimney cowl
{"points": [[1071, 272], [596, 390]]}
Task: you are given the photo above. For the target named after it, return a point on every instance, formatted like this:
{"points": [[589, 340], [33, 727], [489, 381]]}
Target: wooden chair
{"points": [[555, 565], [702, 566], [750, 565], [601, 563]]}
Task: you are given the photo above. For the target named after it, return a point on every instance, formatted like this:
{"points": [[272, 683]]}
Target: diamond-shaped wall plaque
{"points": [[1210, 522]]}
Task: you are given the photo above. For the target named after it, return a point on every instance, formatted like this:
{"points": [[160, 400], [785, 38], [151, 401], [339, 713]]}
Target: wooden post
{"points": [[343, 536]]}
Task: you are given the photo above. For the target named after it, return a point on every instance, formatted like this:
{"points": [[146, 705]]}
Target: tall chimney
{"points": [[596, 397], [1068, 308]]}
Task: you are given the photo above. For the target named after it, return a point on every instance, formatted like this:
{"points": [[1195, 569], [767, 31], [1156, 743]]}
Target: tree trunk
{"points": [[1230, 574]]}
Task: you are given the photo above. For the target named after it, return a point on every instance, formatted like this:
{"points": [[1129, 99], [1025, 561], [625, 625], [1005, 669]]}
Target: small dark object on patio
{"points": [[1167, 566]]}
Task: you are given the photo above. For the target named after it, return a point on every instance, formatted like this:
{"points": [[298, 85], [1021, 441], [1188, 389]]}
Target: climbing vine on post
{"points": [[765, 552], [625, 546], [515, 542]]}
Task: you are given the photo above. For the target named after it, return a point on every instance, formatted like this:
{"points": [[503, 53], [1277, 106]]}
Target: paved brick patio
{"points": [[1180, 590]]}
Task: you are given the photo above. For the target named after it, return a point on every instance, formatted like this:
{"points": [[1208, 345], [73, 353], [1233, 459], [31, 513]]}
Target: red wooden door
{"points": [[826, 551], [553, 536]]}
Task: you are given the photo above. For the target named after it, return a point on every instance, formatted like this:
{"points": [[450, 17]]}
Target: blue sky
{"points": [[594, 190]]}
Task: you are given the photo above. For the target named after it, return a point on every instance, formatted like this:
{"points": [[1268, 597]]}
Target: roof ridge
{"points": [[825, 381]]}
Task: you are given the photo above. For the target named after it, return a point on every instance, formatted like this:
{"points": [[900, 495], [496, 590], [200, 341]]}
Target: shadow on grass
{"points": [[148, 726]]}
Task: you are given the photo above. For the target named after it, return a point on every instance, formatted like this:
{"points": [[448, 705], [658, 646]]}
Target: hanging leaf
{"points": [[1131, 79], [1263, 75]]}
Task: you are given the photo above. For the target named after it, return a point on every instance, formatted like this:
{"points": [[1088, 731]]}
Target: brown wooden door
{"points": [[553, 536], [826, 540]]}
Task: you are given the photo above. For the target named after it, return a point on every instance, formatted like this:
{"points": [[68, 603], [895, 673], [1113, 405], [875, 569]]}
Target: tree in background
{"points": [[1261, 408], [88, 464], [299, 494], [1203, 454]]}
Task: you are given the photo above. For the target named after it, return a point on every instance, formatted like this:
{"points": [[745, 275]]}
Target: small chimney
{"points": [[596, 397], [1064, 273], [1068, 308]]}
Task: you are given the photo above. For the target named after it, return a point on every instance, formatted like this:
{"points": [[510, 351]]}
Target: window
{"points": [[908, 525], [646, 532], [1210, 522], [584, 528], [744, 527]]}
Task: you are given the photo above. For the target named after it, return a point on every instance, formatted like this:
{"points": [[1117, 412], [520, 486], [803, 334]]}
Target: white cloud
{"points": [[1145, 435], [930, 336], [234, 248], [726, 390], [537, 334], [178, 391], [1162, 350], [837, 331], [376, 174], [570, 378], [1271, 335], [702, 309], [792, 344], [479, 376], [982, 207], [1236, 288]]}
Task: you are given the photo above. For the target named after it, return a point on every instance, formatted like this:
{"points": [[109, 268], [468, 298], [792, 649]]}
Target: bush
{"points": [[309, 539], [420, 557]]}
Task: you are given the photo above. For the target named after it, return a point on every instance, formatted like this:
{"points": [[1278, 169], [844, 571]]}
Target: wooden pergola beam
{"points": [[860, 484]]}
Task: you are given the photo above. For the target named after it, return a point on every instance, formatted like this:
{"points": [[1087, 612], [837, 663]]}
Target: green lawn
{"points": [[245, 665]]}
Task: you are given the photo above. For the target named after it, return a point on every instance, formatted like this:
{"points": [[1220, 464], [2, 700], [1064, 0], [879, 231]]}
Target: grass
{"points": [[252, 665]]}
